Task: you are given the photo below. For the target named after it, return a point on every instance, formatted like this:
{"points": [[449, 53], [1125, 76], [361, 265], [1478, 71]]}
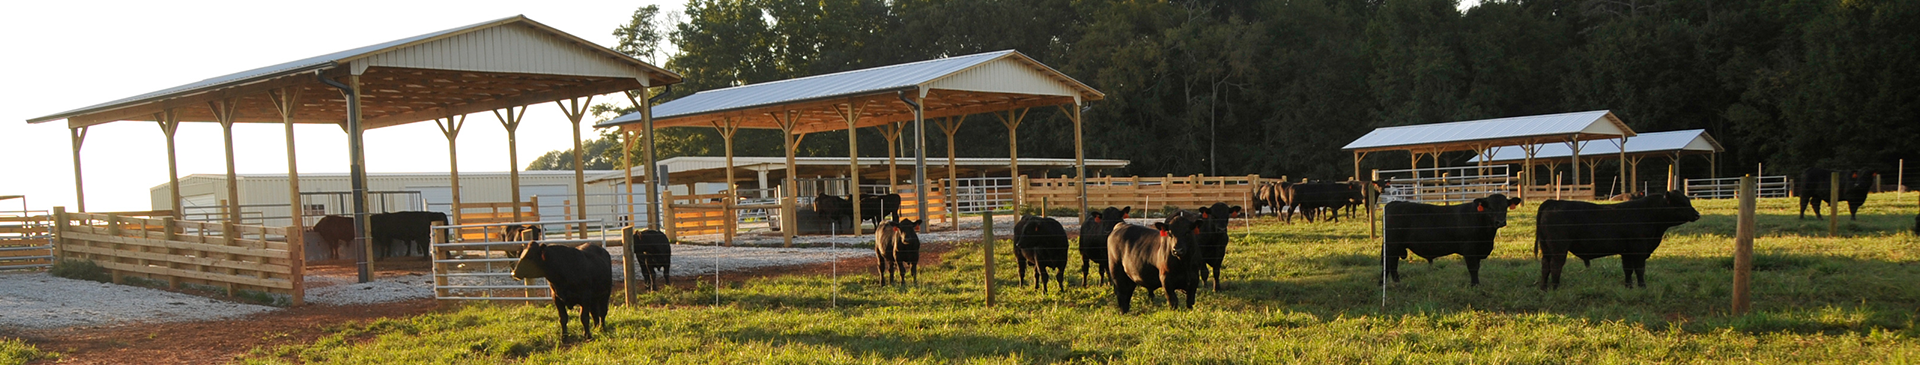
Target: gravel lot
{"points": [[38, 300]]}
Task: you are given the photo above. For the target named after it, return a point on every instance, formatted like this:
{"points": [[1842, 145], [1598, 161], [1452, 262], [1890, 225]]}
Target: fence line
{"points": [[231, 256], [25, 242], [1726, 187], [482, 269]]}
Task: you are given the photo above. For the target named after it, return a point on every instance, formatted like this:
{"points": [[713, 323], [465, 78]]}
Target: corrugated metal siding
{"points": [[854, 82], [1596, 122], [513, 48], [1686, 140], [1004, 75]]}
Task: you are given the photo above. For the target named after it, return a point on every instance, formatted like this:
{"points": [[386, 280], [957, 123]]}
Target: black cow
{"points": [[1816, 183], [578, 276], [1632, 230], [1041, 242], [1213, 240], [335, 232], [1309, 198], [1432, 231], [897, 245], [834, 209], [1093, 240], [1153, 258], [1277, 195], [652, 253], [414, 229], [873, 207], [522, 233]]}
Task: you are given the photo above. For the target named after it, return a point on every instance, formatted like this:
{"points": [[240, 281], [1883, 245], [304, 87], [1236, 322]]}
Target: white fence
{"points": [[1723, 188], [483, 269], [981, 194], [1446, 184]]}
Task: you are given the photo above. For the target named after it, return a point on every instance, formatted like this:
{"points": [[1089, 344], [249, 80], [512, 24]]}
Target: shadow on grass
{"points": [[953, 347]]}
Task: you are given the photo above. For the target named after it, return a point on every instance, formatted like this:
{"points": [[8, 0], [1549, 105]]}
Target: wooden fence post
{"points": [[1743, 248], [666, 214], [59, 238], [986, 246], [297, 262], [1833, 217], [435, 253]]}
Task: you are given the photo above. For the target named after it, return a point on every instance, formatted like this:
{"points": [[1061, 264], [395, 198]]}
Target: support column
{"points": [[357, 172], [1526, 169], [920, 160], [728, 127], [284, 101], [1628, 188], [1079, 154], [653, 188], [1012, 121], [169, 125], [223, 113], [576, 109], [790, 220], [851, 113], [951, 125], [450, 127], [891, 133], [1574, 144], [511, 120], [79, 191]]}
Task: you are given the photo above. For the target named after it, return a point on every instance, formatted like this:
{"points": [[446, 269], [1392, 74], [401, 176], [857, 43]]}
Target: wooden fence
{"points": [[229, 256], [1187, 192], [25, 242], [483, 214], [707, 213]]}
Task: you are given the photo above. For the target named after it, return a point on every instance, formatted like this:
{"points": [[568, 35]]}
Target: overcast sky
{"points": [[63, 55]]}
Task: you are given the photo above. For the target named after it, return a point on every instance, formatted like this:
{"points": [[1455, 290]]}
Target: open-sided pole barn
{"points": [[501, 66], [1671, 144], [1480, 136], [947, 87]]}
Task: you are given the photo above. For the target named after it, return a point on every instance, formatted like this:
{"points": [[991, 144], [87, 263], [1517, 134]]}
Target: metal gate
{"points": [[483, 269]]}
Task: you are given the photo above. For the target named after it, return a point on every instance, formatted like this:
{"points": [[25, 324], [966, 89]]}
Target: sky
{"points": [[64, 55]]}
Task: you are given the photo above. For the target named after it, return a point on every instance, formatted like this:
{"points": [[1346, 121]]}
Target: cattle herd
{"points": [[410, 230]]}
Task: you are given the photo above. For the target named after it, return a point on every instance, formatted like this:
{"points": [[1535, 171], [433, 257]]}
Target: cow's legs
{"points": [[1635, 265], [1473, 270], [1550, 268], [882, 269], [586, 320], [1392, 259], [1022, 259], [916, 272], [1853, 209], [1123, 293], [557, 304], [1216, 275]]}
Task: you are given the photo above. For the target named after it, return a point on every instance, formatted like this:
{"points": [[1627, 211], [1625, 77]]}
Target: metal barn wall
{"points": [[272, 189], [515, 48], [1004, 75]]}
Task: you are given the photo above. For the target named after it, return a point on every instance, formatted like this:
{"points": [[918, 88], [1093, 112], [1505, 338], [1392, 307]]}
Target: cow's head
{"points": [[1493, 208], [1218, 215], [1180, 229], [1674, 208], [905, 232], [531, 257]]}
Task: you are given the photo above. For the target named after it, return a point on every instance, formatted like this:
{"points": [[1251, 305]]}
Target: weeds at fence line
{"points": [[79, 269]]}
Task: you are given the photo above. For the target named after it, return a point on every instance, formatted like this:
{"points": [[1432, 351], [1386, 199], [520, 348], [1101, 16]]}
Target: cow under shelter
{"points": [[1671, 144], [500, 66], [1482, 136], [1006, 84]]}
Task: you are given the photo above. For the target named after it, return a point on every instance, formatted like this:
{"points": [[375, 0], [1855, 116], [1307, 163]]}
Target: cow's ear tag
{"points": [[1163, 233], [1481, 207], [1196, 230]]}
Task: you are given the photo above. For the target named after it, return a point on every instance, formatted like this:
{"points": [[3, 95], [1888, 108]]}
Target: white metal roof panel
{"points": [[1695, 140], [1598, 122], [509, 49], [847, 83]]}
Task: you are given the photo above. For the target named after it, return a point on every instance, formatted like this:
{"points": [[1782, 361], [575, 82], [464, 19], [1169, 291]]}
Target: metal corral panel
{"points": [[270, 190], [1594, 123], [1687, 141], [512, 48], [1005, 75]]}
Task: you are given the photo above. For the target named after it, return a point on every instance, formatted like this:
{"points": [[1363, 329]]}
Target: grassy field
{"points": [[1297, 293]]}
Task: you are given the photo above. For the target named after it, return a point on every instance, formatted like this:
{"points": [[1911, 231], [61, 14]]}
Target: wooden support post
{"points": [[440, 271], [654, 218], [450, 127], [1373, 195], [576, 109], [891, 133], [727, 128], [78, 135], [986, 248], [1833, 208], [666, 211], [1628, 188], [285, 101], [511, 121], [1574, 144], [1079, 154], [851, 113], [789, 205], [950, 125], [297, 262], [1012, 122], [223, 112], [169, 125], [1743, 248]]}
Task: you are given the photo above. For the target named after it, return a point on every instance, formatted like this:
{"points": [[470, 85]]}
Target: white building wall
{"points": [[266, 195]]}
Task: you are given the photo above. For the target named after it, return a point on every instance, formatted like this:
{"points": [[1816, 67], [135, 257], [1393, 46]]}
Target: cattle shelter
{"points": [[1673, 145], [1482, 136]]}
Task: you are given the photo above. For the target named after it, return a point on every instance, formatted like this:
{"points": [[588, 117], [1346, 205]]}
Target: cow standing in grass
{"points": [[1159, 257], [897, 246], [1817, 183], [1213, 240], [1093, 240], [1632, 230], [1041, 242], [1433, 231], [578, 276], [652, 253]]}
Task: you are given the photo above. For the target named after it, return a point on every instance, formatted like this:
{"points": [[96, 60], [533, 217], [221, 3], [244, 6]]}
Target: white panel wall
{"points": [[513, 48], [1004, 75]]}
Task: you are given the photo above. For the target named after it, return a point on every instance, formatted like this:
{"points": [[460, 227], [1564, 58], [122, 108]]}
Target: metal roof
{"points": [[1597, 124], [335, 59], [696, 164], [1689, 141], [920, 76]]}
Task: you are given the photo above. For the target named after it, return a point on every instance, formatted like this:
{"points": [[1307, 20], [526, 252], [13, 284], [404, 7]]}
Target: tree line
{"points": [[1275, 87]]}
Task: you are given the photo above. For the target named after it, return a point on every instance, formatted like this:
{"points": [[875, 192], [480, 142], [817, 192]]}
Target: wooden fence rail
{"points": [[229, 256], [1185, 192]]}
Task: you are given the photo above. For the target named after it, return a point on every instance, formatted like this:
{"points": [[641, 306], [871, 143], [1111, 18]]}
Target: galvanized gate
{"points": [[482, 269]]}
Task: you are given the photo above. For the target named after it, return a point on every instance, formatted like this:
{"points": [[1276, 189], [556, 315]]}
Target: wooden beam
{"points": [[286, 102], [576, 109], [162, 106], [510, 119], [78, 135]]}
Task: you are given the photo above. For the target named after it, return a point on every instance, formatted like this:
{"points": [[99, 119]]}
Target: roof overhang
{"points": [[1579, 126], [1654, 144]]}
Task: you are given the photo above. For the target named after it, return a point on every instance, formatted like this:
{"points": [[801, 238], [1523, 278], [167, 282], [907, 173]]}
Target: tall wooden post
{"points": [[727, 128], [1012, 121], [284, 101], [78, 135], [511, 120], [986, 248], [1743, 248], [223, 112], [951, 125], [851, 113], [1079, 155], [891, 133], [169, 125], [576, 109], [1574, 144], [357, 172], [450, 127], [1628, 188]]}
